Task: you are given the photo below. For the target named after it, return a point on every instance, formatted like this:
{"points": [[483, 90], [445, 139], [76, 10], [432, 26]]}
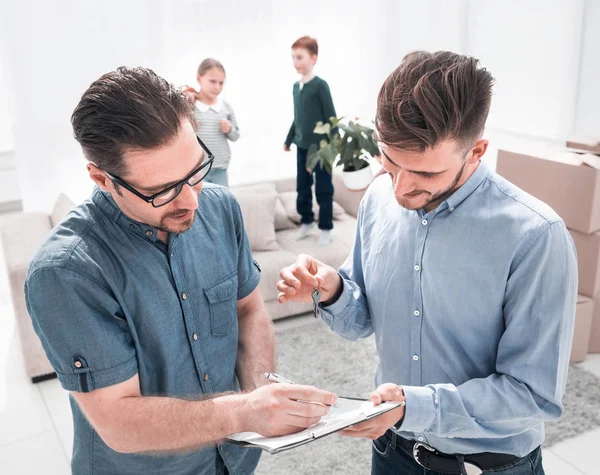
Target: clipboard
{"points": [[351, 411]]}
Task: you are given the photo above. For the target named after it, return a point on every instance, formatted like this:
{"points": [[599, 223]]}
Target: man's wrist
{"points": [[235, 405], [338, 293], [401, 420]]}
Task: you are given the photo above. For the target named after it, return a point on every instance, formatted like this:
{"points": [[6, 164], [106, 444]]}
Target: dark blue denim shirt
{"points": [[109, 300]]}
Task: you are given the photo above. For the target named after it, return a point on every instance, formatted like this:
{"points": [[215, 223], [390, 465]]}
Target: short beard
{"points": [[181, 228], [442, 195]]}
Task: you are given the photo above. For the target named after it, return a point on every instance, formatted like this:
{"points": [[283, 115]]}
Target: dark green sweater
{"points": [[311, 104]]}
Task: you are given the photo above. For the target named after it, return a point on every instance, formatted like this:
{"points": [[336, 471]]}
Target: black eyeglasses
{"points": [[171, 192]]}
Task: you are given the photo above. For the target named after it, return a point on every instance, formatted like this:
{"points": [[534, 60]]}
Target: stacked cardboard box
{"points": [[569, 181]]}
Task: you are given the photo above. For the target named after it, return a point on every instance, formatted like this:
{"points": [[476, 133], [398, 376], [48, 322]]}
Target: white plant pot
{"points": [[359, 180]]}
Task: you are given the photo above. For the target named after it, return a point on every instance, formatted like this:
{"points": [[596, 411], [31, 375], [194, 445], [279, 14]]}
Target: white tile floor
{"points": [[39, 417]]}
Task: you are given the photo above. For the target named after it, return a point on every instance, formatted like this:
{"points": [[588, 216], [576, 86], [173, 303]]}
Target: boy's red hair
{"points": [[307, 43]]}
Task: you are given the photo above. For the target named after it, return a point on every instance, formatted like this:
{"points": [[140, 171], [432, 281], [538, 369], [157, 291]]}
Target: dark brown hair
{"points": [[308, 43], [130, 108], [209, 63], [433, 97]]}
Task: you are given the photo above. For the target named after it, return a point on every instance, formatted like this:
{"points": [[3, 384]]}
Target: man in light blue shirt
{"points": [[468, 283]]}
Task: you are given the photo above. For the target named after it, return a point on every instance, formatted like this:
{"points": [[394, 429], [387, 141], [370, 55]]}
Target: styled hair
{"points": [[127, 109], [432, 97], [208, 64], [307, 43]]}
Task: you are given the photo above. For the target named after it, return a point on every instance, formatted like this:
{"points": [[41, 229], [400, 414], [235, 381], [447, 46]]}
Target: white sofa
{"points": [[21, 234]]}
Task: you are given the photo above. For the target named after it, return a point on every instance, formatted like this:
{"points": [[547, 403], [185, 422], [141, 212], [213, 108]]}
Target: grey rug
{"points": [[312, 354]]}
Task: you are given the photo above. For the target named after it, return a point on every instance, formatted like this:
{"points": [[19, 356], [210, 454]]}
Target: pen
{"points": [[276, 378]]}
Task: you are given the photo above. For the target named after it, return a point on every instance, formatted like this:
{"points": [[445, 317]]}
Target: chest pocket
{"points": [[222, 302]]}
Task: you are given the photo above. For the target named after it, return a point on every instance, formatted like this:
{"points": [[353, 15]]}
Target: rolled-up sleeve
{"points": [[247, 268], [81, 326]]}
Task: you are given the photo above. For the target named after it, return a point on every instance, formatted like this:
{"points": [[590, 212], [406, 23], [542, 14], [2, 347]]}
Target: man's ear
{"points": [[100, 178], [478, 151]]}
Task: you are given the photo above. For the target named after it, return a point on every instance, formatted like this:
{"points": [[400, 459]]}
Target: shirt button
{"points": [[195, 337], [424, 222], [205, 376], [132, 226], [452, 209], [184, 296], [148, 233], [78, 364], [417, 313], [416, 357], [421, 439], [417, 267]]}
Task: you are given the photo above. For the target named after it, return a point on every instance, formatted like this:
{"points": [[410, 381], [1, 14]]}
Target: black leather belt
{"points": [[474, 464]]}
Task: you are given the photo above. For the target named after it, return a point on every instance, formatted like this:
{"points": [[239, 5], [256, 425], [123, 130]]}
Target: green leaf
{"points": [[349, 146], [330, 155], [312, 157], [321, 128]]}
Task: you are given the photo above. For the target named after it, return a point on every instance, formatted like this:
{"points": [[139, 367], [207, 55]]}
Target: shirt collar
{"points": [[217, 107], [476, 179], [108, 206]]}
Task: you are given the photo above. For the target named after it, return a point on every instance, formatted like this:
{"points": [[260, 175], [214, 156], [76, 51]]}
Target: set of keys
{"points": [[316, 296]]}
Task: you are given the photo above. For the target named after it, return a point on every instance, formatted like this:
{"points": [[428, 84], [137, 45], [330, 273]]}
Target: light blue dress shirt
{"points": [[473, 307]]}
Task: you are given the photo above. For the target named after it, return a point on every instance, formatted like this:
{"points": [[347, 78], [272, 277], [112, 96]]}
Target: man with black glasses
{"points": [[145, 298]]}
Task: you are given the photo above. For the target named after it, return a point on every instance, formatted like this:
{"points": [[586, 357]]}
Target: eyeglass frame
{"points": [[150, 199]]}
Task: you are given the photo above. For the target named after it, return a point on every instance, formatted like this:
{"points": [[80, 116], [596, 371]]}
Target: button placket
{"points": [[422, 231], [200, 361]]}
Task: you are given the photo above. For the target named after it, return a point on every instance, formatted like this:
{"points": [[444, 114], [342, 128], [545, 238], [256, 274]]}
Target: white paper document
{"points": [[349, 412]]}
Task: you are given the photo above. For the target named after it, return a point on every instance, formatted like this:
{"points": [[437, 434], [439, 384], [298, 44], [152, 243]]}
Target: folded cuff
{"points": [[419, 410], [328, 313]]}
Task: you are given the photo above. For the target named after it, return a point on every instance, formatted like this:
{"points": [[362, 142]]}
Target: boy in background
{"points": [[312, 103]]}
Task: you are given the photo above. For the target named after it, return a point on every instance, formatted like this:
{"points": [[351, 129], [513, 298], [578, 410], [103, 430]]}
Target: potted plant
{"points": [[347, 145]]}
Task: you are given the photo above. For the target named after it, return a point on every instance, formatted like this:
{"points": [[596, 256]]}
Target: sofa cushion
{"points": [[22, 234], [286, 184], [270, 264], [258, 209], [62, 206], [282, 221], [333, 254], [288, 199]]}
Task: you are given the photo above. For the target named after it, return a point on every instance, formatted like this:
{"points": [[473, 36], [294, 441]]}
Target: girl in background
{"points": [[214, 117]]}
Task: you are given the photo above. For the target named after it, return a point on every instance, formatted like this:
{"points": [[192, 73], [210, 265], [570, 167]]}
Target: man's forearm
{"points": [[161, 424], [256, 348]]}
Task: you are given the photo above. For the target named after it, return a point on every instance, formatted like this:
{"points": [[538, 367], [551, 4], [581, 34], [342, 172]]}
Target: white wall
{"points": [[49, 57], [6, 138], [532, 48], [587, 118]]}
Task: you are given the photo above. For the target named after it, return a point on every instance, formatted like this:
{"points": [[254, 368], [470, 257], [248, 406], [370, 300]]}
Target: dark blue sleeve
{"points": [[82, 328]]}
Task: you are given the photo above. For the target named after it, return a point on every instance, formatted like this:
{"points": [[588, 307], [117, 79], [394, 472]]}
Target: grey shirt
{"points": [[207, 128]]}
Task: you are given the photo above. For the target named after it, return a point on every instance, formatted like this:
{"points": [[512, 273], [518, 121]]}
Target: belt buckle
{"points": [[470, 468], [416, 448]]}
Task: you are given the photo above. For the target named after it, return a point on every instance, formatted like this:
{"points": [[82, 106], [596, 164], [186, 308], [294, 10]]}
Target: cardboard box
{"points": [[588, 146], [583, 325], [594, 345], [573, 191], [588, 262]]}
